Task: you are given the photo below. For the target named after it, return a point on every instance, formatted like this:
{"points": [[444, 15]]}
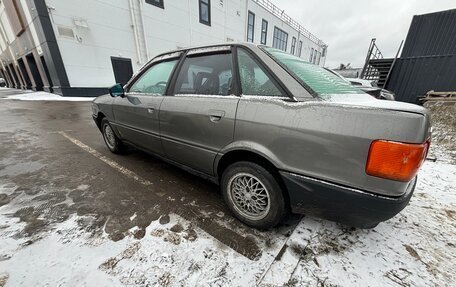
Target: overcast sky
{"points": [[348, 26]]}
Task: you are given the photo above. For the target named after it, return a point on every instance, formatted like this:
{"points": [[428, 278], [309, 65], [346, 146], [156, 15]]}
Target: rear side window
{"points": [[155, 79], [206, 75], [315, 77], [254, 80]]}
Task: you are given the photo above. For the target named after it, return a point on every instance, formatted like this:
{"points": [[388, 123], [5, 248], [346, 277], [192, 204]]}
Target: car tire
{"points": [[111, 140], [253, 194]]}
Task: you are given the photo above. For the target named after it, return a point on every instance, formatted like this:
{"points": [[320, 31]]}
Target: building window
{"points": [[158, 3], [205, 12], [318, 58], [293, 45], [299, 48], [315, 57], [280, 39], [250, 27], [264, 32], [311, 55]]}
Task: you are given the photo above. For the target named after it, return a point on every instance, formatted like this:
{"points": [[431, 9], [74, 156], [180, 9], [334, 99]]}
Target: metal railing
{"points": [[370, 72], [279, 13]]}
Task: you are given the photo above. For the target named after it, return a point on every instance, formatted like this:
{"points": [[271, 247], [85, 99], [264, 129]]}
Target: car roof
{"points": [[245, 44], [166, 55]]}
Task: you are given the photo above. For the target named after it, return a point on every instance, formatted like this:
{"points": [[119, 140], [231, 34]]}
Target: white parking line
{"points": [[125, 171], [130, 174]]}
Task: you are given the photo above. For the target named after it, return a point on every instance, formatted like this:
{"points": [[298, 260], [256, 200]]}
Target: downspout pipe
{"points": [[133, 25], [143, 29]]}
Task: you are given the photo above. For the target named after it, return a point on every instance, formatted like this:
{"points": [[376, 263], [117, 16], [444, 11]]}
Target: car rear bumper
{"points": [[342, 204]]}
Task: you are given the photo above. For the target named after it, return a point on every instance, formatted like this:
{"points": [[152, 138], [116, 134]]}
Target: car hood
{"points": [[104, 99]]}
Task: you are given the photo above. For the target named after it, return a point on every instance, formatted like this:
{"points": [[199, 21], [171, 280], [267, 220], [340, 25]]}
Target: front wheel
{"points": [[253, 194], [112, 142]]}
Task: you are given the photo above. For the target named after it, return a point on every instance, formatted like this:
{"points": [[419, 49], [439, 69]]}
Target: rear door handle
{"points": [[216, 115]]}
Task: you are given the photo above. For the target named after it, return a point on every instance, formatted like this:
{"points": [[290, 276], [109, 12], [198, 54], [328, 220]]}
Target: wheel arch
{"points": [[99, 118], [245, 154]]}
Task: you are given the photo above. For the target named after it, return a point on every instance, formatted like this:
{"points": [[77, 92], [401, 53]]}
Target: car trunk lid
{"points": [[367, 101]]}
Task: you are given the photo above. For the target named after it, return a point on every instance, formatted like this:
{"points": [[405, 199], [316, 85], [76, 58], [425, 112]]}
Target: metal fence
{"points": [[412, 78], [279, 13], [428, 60]]}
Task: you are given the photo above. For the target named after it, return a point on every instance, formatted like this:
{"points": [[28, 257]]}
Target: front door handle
{"points": [[216, 115], [151, 108]]}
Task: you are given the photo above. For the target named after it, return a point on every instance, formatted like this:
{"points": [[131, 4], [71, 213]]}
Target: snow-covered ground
{"points": [[44, 96], [416, 248]]}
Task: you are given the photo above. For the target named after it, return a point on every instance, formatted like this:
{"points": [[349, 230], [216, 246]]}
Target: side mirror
{"points": [[117, 90]]}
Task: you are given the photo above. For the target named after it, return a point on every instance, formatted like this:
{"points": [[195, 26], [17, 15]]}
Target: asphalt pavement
{"points": [[53, 145]]}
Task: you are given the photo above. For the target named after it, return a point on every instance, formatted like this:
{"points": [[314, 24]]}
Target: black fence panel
{"points": [[414, 77], [431, 34], [428, 60]]}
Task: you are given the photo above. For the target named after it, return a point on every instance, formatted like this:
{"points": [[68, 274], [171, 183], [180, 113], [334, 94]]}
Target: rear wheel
{"points": [[253, 194], [112, 141]]}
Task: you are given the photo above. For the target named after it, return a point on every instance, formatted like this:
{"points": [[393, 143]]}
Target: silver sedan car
{"points": [[276, 133]]}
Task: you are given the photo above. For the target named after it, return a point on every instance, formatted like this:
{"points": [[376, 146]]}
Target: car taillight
{"points": [[395, 160]]}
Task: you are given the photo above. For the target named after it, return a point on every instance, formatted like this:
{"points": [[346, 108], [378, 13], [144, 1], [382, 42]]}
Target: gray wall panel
{"points": [[414, 77], [428, 60]]}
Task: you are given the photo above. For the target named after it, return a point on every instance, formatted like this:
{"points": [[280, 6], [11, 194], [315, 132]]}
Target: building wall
{"points": [[86, 51], [273, 21], [34, 43], [88, 33], [109, 32]]}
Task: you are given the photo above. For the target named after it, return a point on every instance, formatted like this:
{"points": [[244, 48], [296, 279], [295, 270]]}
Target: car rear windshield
{"points": [[319, 80]]}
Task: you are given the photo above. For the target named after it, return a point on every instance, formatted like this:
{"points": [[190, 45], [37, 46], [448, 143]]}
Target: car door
{"points": [[198, 120], [136, 114]]}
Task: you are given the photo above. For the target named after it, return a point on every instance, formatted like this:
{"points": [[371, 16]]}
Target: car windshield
{"points": [[318, 79]]}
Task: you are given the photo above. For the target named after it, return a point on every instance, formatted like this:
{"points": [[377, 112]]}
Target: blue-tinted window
{"points": [[254, 79], [206, 75], [320, 80], [155, 79]]}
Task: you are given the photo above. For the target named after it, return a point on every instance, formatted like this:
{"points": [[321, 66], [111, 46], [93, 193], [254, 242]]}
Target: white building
{"points": [[82, 47]]}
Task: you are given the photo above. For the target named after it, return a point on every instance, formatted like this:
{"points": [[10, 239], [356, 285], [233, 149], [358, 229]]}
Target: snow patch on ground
{"points": [[417, 247], [61, 258], [168, 255], [44, 96]]}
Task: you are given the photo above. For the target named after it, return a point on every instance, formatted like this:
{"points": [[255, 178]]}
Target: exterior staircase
{"points": [[377, 68], [378, 71]]}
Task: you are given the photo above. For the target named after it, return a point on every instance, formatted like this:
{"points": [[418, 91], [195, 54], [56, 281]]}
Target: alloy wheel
{"points": [[109, 136], [249, 196]]}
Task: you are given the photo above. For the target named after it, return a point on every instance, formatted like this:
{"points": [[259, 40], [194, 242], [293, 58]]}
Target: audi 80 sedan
{"points": [[277, 133]]}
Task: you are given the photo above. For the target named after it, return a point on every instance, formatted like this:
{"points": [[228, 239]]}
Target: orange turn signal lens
{"points": [[395, 160]]}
